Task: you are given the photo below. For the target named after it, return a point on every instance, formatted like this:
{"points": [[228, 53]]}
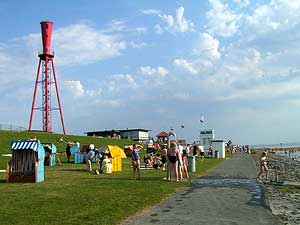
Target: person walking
{"points": [[136, 162], [263, 166]]}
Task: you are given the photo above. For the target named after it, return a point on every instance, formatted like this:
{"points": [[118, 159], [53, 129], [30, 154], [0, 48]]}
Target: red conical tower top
{"points": [[46, 27]]}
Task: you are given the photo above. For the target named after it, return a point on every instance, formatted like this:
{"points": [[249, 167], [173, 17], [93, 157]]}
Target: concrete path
{"points": [[228, 194]]}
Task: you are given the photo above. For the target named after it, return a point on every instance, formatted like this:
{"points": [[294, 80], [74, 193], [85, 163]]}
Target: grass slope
{"points": [[70, 195], [7, 136]]}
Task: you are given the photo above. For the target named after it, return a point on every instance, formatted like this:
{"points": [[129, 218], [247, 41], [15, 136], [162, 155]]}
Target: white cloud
{"points": [[221, 20], [158, 29], [270, 91], [74, 87], [177, 24], [242, 3], [120, 82], [150, 11], [160, 71], [4, 59], [273, 15], [94, 93], [168, 19], [183, 24], [108, 102], [82, 44], [262, 19], [138, 45], [185, 65], [207, 46], [183, 96], [121, 26]]}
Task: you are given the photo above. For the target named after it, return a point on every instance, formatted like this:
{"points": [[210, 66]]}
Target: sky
{"points": [[159, 64]]}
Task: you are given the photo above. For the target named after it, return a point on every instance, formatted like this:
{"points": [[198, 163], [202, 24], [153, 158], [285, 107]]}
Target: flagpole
{"points": [[201, 121]]}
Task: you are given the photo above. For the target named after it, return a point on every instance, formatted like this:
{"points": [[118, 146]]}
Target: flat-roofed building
{"points": [[133, 134]]}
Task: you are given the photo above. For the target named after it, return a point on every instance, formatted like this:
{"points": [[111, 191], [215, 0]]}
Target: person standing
{"points": [[164, 152], [136, 162], [210, 151], [179, 163], [187, 149], [90, 156], [68, 151], [195, 150], [185, 164], [173, 161], [201, 152]]}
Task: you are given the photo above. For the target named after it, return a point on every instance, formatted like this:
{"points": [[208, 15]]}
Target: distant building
{"points": [[133, 134], [207, 139], [105, 134], [206, 136], [162, 136]]}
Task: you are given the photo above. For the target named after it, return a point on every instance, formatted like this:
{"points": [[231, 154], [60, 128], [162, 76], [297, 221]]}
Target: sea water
{"points": [[293, 155], [283, 145]]}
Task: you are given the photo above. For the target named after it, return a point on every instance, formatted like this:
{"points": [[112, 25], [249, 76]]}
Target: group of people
{"points": [[102, 158], [178, 163], [175, 158], [155, 160]]}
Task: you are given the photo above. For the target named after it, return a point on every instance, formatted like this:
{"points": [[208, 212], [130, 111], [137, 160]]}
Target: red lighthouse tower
{"points": [[48, 78]]}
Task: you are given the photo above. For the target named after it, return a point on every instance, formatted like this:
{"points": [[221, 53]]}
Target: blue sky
{"points": [[160, 64]]}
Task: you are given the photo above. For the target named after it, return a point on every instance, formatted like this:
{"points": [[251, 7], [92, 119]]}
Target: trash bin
{"points": [[217, 154], [192, 164]]}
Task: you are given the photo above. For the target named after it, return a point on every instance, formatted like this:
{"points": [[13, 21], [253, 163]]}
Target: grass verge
{"points": [[70, 195]]}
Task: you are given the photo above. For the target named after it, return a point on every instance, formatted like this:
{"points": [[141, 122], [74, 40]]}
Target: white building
{"points": [[206, 136], [135, 134], [207, 139], [218, 145]]}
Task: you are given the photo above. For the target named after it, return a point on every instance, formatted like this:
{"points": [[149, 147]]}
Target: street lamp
{"points": [[171, 133]]}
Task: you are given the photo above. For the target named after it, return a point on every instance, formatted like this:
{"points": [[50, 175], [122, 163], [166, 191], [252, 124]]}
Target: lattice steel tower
{"points": [[48, 78]]}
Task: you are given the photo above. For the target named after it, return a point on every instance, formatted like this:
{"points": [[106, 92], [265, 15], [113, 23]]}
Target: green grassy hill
{"points": [[6, 137]]}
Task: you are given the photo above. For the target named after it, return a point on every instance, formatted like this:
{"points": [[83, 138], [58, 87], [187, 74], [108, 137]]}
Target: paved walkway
{"points": [[228, 194]]}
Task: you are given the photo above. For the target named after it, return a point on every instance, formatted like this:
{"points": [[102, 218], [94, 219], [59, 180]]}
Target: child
{"points": [[106, 165], [263, 165]]}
